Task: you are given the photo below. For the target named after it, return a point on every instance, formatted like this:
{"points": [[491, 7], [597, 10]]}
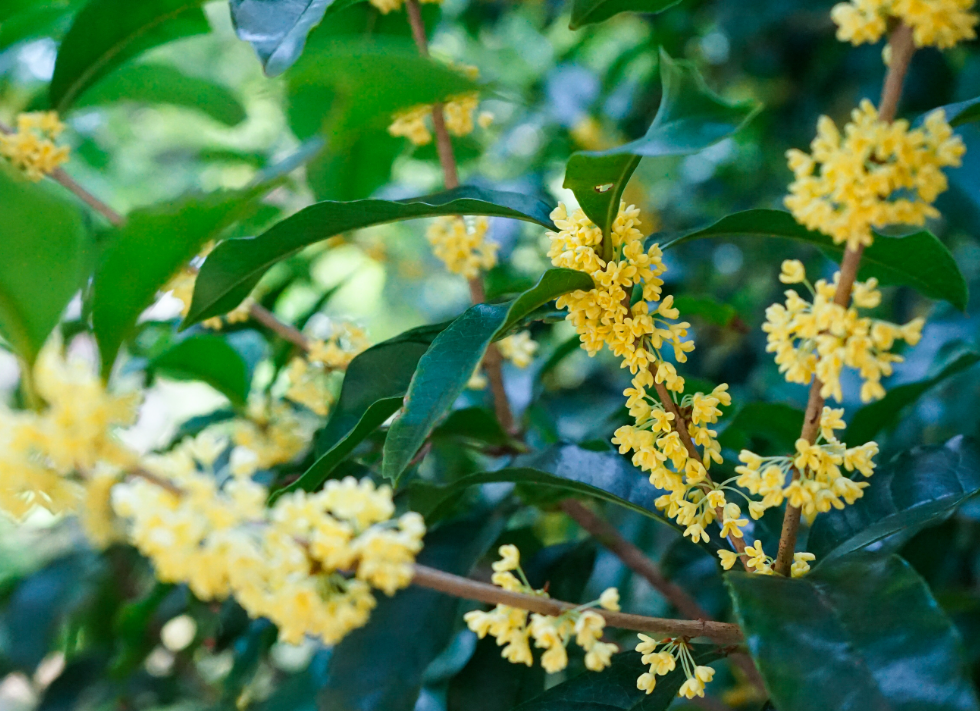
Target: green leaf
{"points": [[33, 19], [690, 118], [776, 423], [473, 423], [380, 666], [707, 308], [277, 29], [614, 689], [210, 359], [915, 490], [107, 33], [589, 12], [918, 260], [564, 468], [374, 386], [233, 269], [44, 260], [963, 112], [883, 414], [147, 251], [357, 84], [830, 640], [447, 366], [161, 84]]}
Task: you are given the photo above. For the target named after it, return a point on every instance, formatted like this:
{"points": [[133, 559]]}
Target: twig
{"points": [[492, 362], [902, 49], [721, 632], [280, 328]]}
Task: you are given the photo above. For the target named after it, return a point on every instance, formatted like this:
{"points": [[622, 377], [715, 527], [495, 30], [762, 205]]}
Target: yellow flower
{"points": [[874, 175], [31, 148], [609, 600], [939, 23], [461, 245], [792, 272], [510, 559], [519, 348], [728, 558], [801, 564]]}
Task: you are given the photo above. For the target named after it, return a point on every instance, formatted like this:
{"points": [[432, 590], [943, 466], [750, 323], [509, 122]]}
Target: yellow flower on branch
{"points": [[663, 657], [461, 244], [874, 175], [32, 147], [934, 23]]}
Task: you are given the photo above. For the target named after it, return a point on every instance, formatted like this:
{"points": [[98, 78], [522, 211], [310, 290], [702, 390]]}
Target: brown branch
{"points": [[902, 49], [492, 362], [283, 330], [721, 632]]}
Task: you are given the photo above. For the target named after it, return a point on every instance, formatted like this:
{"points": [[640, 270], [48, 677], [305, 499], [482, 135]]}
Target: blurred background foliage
{"points": [[87, 630]]}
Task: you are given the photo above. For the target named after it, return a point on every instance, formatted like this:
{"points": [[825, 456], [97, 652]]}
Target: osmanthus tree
{"points": [[352, 494]]}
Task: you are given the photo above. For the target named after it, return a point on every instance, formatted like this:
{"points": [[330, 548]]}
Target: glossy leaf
{"points": [[588, 12], [915, 490], [601, 475], [614, 689], [830, 640], [777, 423], [161, 84], [963, 112], [233, 269], [44, 260], [210, 359], [107, 33], [883, 414], [380, 666], [147, 251], [374, 386], [707, 308], [690, 118], [277, 29], [918, 260], [447, 366]]}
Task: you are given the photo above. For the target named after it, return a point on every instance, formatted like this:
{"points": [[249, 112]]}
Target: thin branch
{"points": [[902, 49], [722, 633], [283, 330], [492, 362]]}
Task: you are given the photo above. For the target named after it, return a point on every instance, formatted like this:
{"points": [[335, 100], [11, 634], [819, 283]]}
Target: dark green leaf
{"points": [[210, 359], [473, 423], [380, 666], [374, 385], [236, 266], [107, 33], [614, 689], [963, 112], [28, 20], [915, 490], [776, 423], [277, 29], [601, 475], [491, 683], [455, 353], [830, 640], [872, 419], [691, 117], [147, 251], [44, 261], [918, 260], [588, 12], [707, 308], [161, 84]]}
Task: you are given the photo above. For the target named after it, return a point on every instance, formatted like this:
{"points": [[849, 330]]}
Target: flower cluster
{"points": [[272, 433], [513, 631], [876, 174], [518, 348], [309, 563], [935, 23], [823, 337], [457, 112], [344, 342], [663, 657], [309, 376], [756, 560], [47, 455], [461, 244], [32, 147], [386, 6], [818, 483]]}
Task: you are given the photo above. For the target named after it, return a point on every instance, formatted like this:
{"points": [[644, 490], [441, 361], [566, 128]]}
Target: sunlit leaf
{"points": [[588, 12]]}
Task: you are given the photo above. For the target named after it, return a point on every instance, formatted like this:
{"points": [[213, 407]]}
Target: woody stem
{"points": [[902, 49]]}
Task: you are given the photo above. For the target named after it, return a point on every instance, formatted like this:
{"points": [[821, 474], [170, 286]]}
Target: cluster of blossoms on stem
{"points": [[637, 333], [822, 337], [458, 113], [934, 23], [757, 561], [874, 175], [514, 627], [663, 656], [309, 376], [461, 244], [32, 147], [308, 563]]}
